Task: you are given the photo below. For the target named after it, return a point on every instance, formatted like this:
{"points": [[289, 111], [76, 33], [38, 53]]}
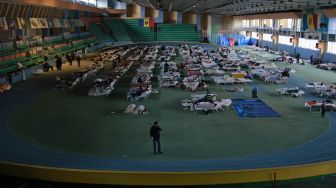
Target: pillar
{"points": [[189, 18], [159, 18], [323, 48], [226, 23], [133, 11], [260, 38], [142, 12], [198, 21], [209, 25], [170, 17], [179, 17], [275, 38], [151, 13]]}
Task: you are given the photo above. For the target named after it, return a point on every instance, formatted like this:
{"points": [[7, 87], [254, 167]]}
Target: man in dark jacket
{"points": [[323, 109], [155, 135], [298, 58]]}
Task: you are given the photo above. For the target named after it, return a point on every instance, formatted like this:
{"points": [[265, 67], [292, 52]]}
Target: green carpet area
{"points": [[71, 121]]}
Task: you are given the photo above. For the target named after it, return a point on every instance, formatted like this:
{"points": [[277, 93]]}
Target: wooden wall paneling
{"points": [[20, 11], [13, 10], [7, 10], [37, 9], [24, 11], [1, 8], [33, 11], [49, 12], [53, 13], [61, 13], [39, 12], [44, 14]]}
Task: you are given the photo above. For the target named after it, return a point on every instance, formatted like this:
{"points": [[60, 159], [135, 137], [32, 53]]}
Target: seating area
{"points": [[177, 32], [119, 30], [27, 56], [138, 33], [101, 36]]}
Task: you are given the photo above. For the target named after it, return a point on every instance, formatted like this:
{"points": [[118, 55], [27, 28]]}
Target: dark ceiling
{"points": [[234, 7]]}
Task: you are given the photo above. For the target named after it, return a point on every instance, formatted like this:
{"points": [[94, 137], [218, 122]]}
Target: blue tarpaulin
{"points": [[224, 40], [253, 108]]}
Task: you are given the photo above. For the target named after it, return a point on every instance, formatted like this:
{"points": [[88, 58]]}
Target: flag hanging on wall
{"points": [[141, 23], [312, 21], [146, 22], [151, 23], [315, 21]]}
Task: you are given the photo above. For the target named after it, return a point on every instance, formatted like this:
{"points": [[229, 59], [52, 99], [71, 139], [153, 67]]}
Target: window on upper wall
{"points": [[242, 33], [267, 37], [286, 23], [308, 43], [332, 26], [268, 23], [245, 23], [255, 23], [255, 35], [298, 24], [331, 47], [284, 40], [102, 3]]}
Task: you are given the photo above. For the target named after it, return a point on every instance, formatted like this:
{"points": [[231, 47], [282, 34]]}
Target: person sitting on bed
{"points": [[248, 75], [285, 73], [139, 80], [166, 67]]}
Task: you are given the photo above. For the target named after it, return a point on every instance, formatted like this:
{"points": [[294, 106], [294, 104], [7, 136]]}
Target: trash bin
{"points": [[255, 92]]}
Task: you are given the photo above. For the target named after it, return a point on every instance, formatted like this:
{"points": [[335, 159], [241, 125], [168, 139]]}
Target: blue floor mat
{"points": [[253, 108]]}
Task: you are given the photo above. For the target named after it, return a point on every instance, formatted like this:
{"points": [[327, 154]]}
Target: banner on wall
{"points": [[151, 23], [3, 24], [231, 41], [57, 23], [141, 23], [43, 22], [23, 23], [50, 23], [314, 21], [34, 23], [146, 22]]}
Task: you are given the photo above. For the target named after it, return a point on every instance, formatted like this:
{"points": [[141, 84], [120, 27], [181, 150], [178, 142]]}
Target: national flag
{"points": [[141, 23], [146, 22], [304, 22], [312, 22], [232, 41], [151, 23]]}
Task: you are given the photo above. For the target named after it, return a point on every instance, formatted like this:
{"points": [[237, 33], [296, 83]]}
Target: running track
{"points": [[14, 149]]}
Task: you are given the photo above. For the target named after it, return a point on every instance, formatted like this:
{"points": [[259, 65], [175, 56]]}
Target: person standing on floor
{"points": [[323, 109], [298, 58], [155, 135], [78, 60], [69, 59]]}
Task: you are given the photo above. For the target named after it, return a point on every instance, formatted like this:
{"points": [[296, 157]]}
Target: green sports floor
{"points": [[73, 122]]}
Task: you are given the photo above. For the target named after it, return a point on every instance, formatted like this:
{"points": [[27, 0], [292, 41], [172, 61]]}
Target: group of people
{"points": [[59, 61], [71, 57]]}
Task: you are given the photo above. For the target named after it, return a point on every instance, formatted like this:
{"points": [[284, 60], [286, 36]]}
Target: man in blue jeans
{"points": [[155, 135]]}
